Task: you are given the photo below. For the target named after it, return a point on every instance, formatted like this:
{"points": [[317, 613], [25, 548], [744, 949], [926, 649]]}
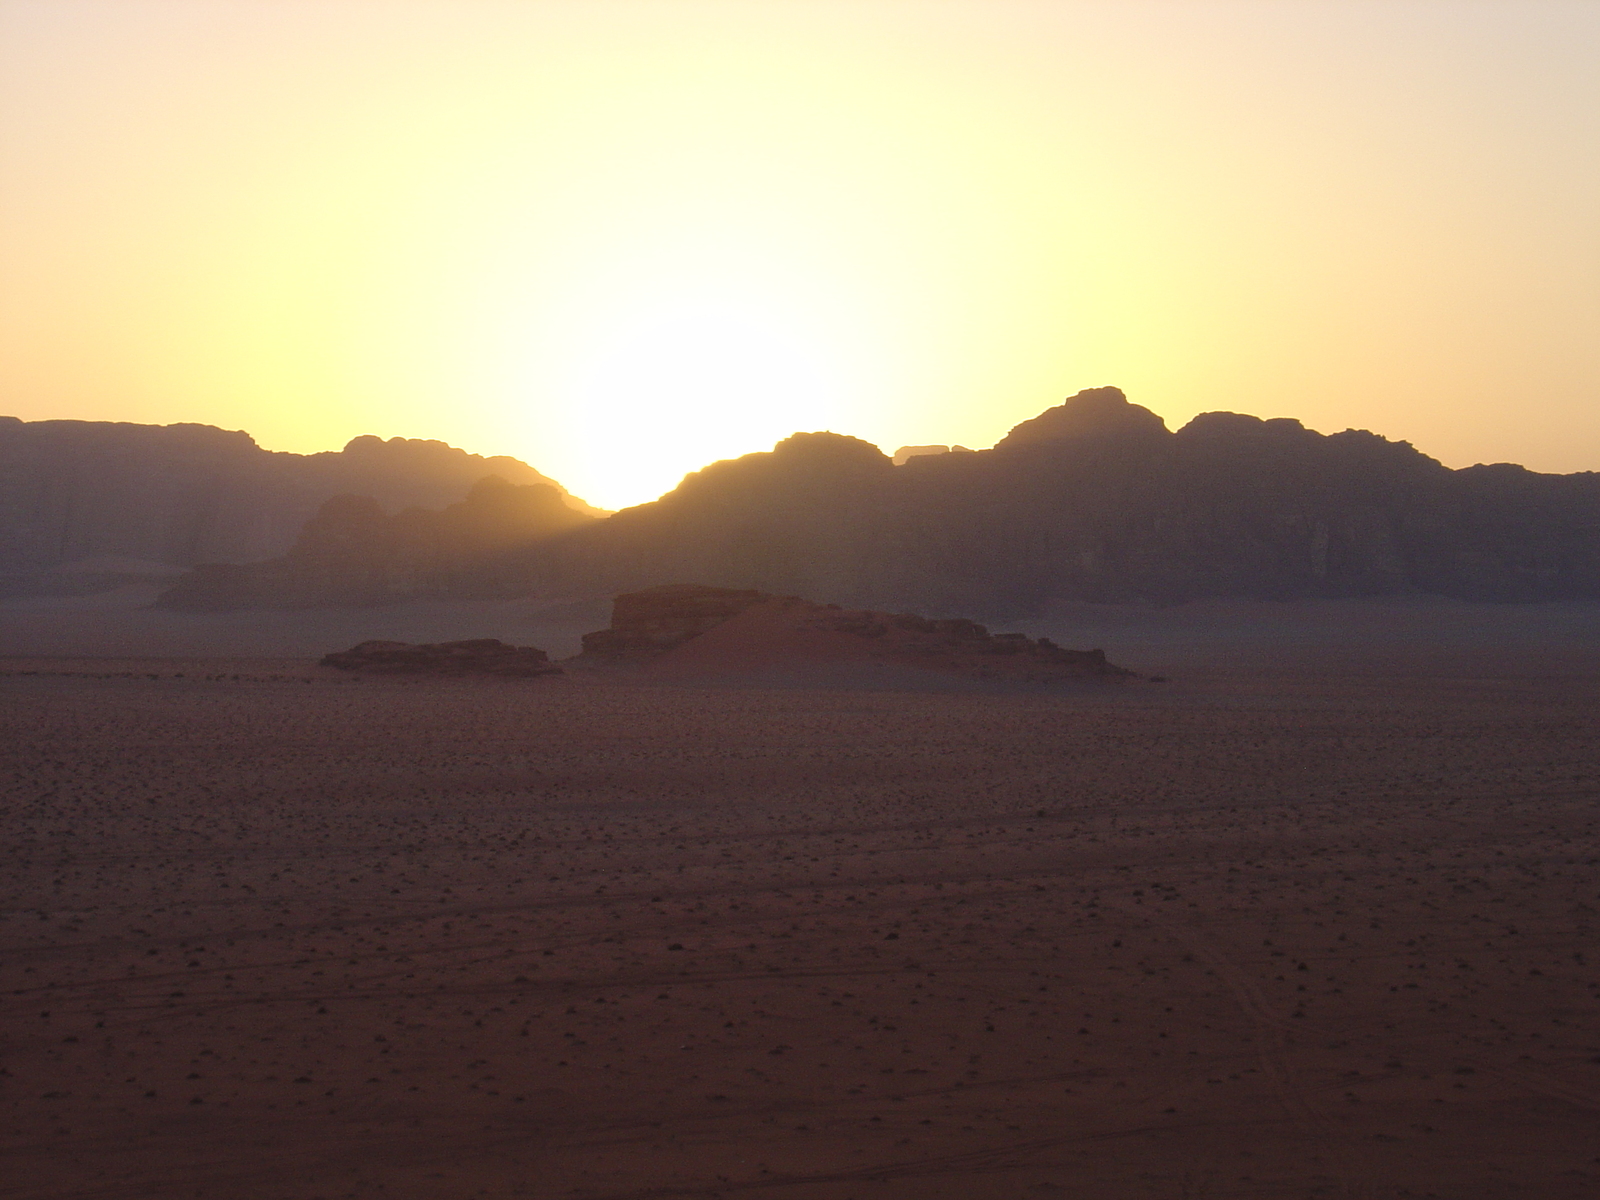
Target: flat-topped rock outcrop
{"points": [[692, 629], [650, 622]]}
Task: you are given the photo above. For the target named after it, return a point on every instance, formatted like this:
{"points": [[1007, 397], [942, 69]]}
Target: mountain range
{"points": [[1093, 500], [84, 504]]}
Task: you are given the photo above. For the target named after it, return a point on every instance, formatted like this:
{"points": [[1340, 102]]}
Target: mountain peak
{"points": [[826, 446], [1093, 412]]}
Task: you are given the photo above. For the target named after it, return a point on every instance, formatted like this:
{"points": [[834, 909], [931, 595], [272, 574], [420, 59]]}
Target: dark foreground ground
{"points": [[269, 933]]}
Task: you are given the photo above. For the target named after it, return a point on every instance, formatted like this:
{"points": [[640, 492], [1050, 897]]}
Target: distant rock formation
{"points": [[351, 553], [178, 495], [1093, 413], [653, 621], [1093, 500], [906, 453], [802, 519], [480, 656], [716, 630]]}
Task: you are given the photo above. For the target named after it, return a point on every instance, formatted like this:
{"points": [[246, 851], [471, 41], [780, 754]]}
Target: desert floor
{"points": [[1273, 931]]}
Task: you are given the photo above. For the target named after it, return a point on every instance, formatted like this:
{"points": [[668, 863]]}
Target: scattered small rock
{"points": [[479, 656]]}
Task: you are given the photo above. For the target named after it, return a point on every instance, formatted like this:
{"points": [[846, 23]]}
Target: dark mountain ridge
{"points": [[1096, 500], [187, 494], [1093, 500], [352, 553]]}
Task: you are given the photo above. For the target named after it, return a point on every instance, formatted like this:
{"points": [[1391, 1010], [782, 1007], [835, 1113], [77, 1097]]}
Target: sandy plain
{"points": [[1312, 920]]}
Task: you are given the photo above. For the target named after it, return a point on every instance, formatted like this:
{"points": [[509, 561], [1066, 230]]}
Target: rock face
{"points": [[721, 629], [803, 519], [958, 642], [351, 553], [652, 621], [1095, 413], [1096, 500], [480, 656], [178, 495]]}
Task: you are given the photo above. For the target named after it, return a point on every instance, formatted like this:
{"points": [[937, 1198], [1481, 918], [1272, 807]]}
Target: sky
{"points": [[622, 238]]}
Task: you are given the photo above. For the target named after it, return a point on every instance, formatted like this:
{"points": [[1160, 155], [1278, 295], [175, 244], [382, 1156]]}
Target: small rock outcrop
{"points": [[479, 656], [958, 641], [653, 621], [712, 628]]}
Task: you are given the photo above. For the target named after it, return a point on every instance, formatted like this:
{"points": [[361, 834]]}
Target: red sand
{"points": [[764, 637], [291, 936]]}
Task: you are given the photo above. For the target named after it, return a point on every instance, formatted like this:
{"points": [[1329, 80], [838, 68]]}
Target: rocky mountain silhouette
{"points": [[352, 553], [121, 499], [1093, 500], [1097, 500]]}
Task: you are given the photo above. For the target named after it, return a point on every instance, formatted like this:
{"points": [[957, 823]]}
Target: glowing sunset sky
{"points": [[620, 240]]}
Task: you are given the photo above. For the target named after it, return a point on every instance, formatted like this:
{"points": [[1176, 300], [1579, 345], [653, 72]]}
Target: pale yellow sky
{"points": [[621, 239]]}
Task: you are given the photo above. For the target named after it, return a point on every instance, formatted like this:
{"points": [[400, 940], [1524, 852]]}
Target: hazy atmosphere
{"points": [[619, 240], [799, 600]]}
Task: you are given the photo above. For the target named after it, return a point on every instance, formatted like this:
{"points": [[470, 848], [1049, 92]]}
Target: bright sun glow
{"points": [[689, 375], [620, 240], [639, 358]]}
